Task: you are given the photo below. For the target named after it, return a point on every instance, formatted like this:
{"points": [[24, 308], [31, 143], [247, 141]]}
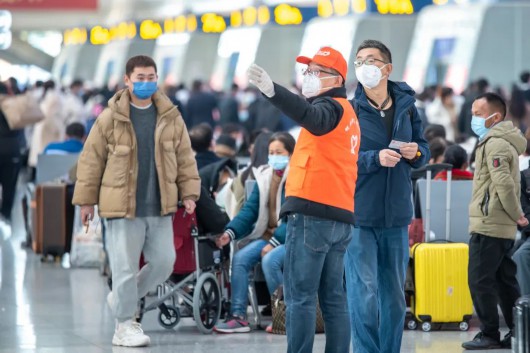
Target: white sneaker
{"points": [[130, 334]]}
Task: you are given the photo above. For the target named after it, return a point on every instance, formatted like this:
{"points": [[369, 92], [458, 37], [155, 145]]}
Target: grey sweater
{"points": [[147, 190]]}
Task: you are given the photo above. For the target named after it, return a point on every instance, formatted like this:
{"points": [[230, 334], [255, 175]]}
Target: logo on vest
{"points": [[323, 53]]}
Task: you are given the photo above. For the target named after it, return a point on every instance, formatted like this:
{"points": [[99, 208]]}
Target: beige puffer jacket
{"points": [[108, 166]]}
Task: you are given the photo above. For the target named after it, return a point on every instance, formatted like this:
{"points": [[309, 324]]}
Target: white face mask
{"points": [[312, 85], [369, 75]]}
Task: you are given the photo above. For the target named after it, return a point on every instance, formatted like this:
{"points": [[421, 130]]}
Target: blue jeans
{"points": [[376, 263], [243, 262], [314, 264], [272, 266]]}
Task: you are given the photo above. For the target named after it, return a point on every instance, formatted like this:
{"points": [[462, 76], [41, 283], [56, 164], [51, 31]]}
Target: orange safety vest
{"points": [[323, 169]]}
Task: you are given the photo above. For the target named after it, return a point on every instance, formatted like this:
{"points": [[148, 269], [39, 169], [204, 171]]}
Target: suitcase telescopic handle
{"points": [[437, 167]]}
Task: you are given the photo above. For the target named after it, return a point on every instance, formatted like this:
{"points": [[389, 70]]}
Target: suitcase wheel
{"points": [[426, 326], [464, 326], [412, 324]]}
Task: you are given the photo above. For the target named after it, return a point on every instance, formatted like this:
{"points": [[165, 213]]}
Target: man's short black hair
{"points": [[139, 61], [525, 77], [495, 101], [76, 130], [201, 137], [375, 44]]}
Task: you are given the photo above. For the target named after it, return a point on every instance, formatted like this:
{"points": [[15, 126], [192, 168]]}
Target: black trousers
{"points": [[492, 281], [9, 170]]}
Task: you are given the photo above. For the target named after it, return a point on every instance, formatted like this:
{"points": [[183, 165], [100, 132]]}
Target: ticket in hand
{"points": [[395, 144]]}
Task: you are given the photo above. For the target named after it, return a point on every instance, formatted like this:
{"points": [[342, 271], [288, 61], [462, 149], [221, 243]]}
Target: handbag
{"points": [[279, 310], [21, 110]]}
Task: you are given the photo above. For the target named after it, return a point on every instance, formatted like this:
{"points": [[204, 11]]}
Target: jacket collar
{"points": [[120, 105], [401, 92], [336, 92]]}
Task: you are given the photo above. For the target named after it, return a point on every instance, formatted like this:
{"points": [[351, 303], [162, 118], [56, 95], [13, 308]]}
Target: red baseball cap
{"points": [[327, 57]]}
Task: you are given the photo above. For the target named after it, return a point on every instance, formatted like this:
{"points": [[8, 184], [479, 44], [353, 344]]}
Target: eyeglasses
{"points": [[317, 72], [367, 61]]}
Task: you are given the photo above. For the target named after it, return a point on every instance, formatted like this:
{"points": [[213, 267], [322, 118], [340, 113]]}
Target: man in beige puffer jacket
{"points": [[495, 211], [137, 163]]}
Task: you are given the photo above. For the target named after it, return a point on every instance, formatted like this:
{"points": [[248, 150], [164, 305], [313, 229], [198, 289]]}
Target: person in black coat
{"points": [[214, 176], [11, 144]]}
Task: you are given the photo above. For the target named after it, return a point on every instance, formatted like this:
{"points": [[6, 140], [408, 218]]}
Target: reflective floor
{"points": [[46, 308]]}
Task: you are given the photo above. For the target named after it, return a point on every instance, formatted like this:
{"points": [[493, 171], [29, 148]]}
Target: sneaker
{"points": [[506, 342], [130, 334], [233, 324], [481, 341]]}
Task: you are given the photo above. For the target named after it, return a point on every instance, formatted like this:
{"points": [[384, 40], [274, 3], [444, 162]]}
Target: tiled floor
{"points": [[47, 309]]}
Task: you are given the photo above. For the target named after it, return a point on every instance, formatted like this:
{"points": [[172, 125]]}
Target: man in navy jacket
{"points": [[392, 144]]}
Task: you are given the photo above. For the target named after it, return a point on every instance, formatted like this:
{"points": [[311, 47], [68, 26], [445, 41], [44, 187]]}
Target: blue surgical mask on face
{"points": [[278, 162], [478, 125], [144, 90]]}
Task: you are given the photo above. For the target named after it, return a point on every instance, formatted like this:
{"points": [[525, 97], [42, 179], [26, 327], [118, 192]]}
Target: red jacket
{"points": [[458, 174]]}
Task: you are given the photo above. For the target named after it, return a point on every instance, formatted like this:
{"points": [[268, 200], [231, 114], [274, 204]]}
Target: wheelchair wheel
{"points": [[170, 318], [206, 302]]}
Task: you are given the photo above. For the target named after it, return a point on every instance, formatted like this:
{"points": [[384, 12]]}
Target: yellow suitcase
{"points": [[441, 292]]}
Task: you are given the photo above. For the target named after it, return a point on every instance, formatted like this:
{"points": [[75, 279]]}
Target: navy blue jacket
{"points": [[243, 224], [383, 197]]}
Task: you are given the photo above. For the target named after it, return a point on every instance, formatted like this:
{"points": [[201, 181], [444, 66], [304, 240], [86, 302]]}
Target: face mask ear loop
{"points": [[488, 118], [385, 76], [322, 88]]}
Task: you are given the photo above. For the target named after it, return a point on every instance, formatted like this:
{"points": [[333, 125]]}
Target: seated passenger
{"points": [[235, 197], [457, 156], [257, 226], [75, 137]]}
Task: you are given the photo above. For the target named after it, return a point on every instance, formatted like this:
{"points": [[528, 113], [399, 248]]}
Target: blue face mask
{"points": [[278, 162], [144, 90], [478, 125]]}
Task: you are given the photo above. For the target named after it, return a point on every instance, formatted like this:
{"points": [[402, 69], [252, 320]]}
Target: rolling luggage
{"points": [[521, 318], [441, 291], [54, 220]]}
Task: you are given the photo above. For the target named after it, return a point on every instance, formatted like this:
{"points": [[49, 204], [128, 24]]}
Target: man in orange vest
{"points": [[320, 198]]}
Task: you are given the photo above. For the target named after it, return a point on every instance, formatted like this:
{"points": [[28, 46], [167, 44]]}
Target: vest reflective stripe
{"points": [[323, 169]]}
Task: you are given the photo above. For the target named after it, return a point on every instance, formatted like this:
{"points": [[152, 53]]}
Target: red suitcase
{"points": [[183, 224]]}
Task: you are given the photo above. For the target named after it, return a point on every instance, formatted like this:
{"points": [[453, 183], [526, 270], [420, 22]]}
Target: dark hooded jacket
{"points": [[384, 195]]}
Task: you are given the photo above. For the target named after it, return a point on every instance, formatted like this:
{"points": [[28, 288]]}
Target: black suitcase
{"points": [[521, 317]]}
